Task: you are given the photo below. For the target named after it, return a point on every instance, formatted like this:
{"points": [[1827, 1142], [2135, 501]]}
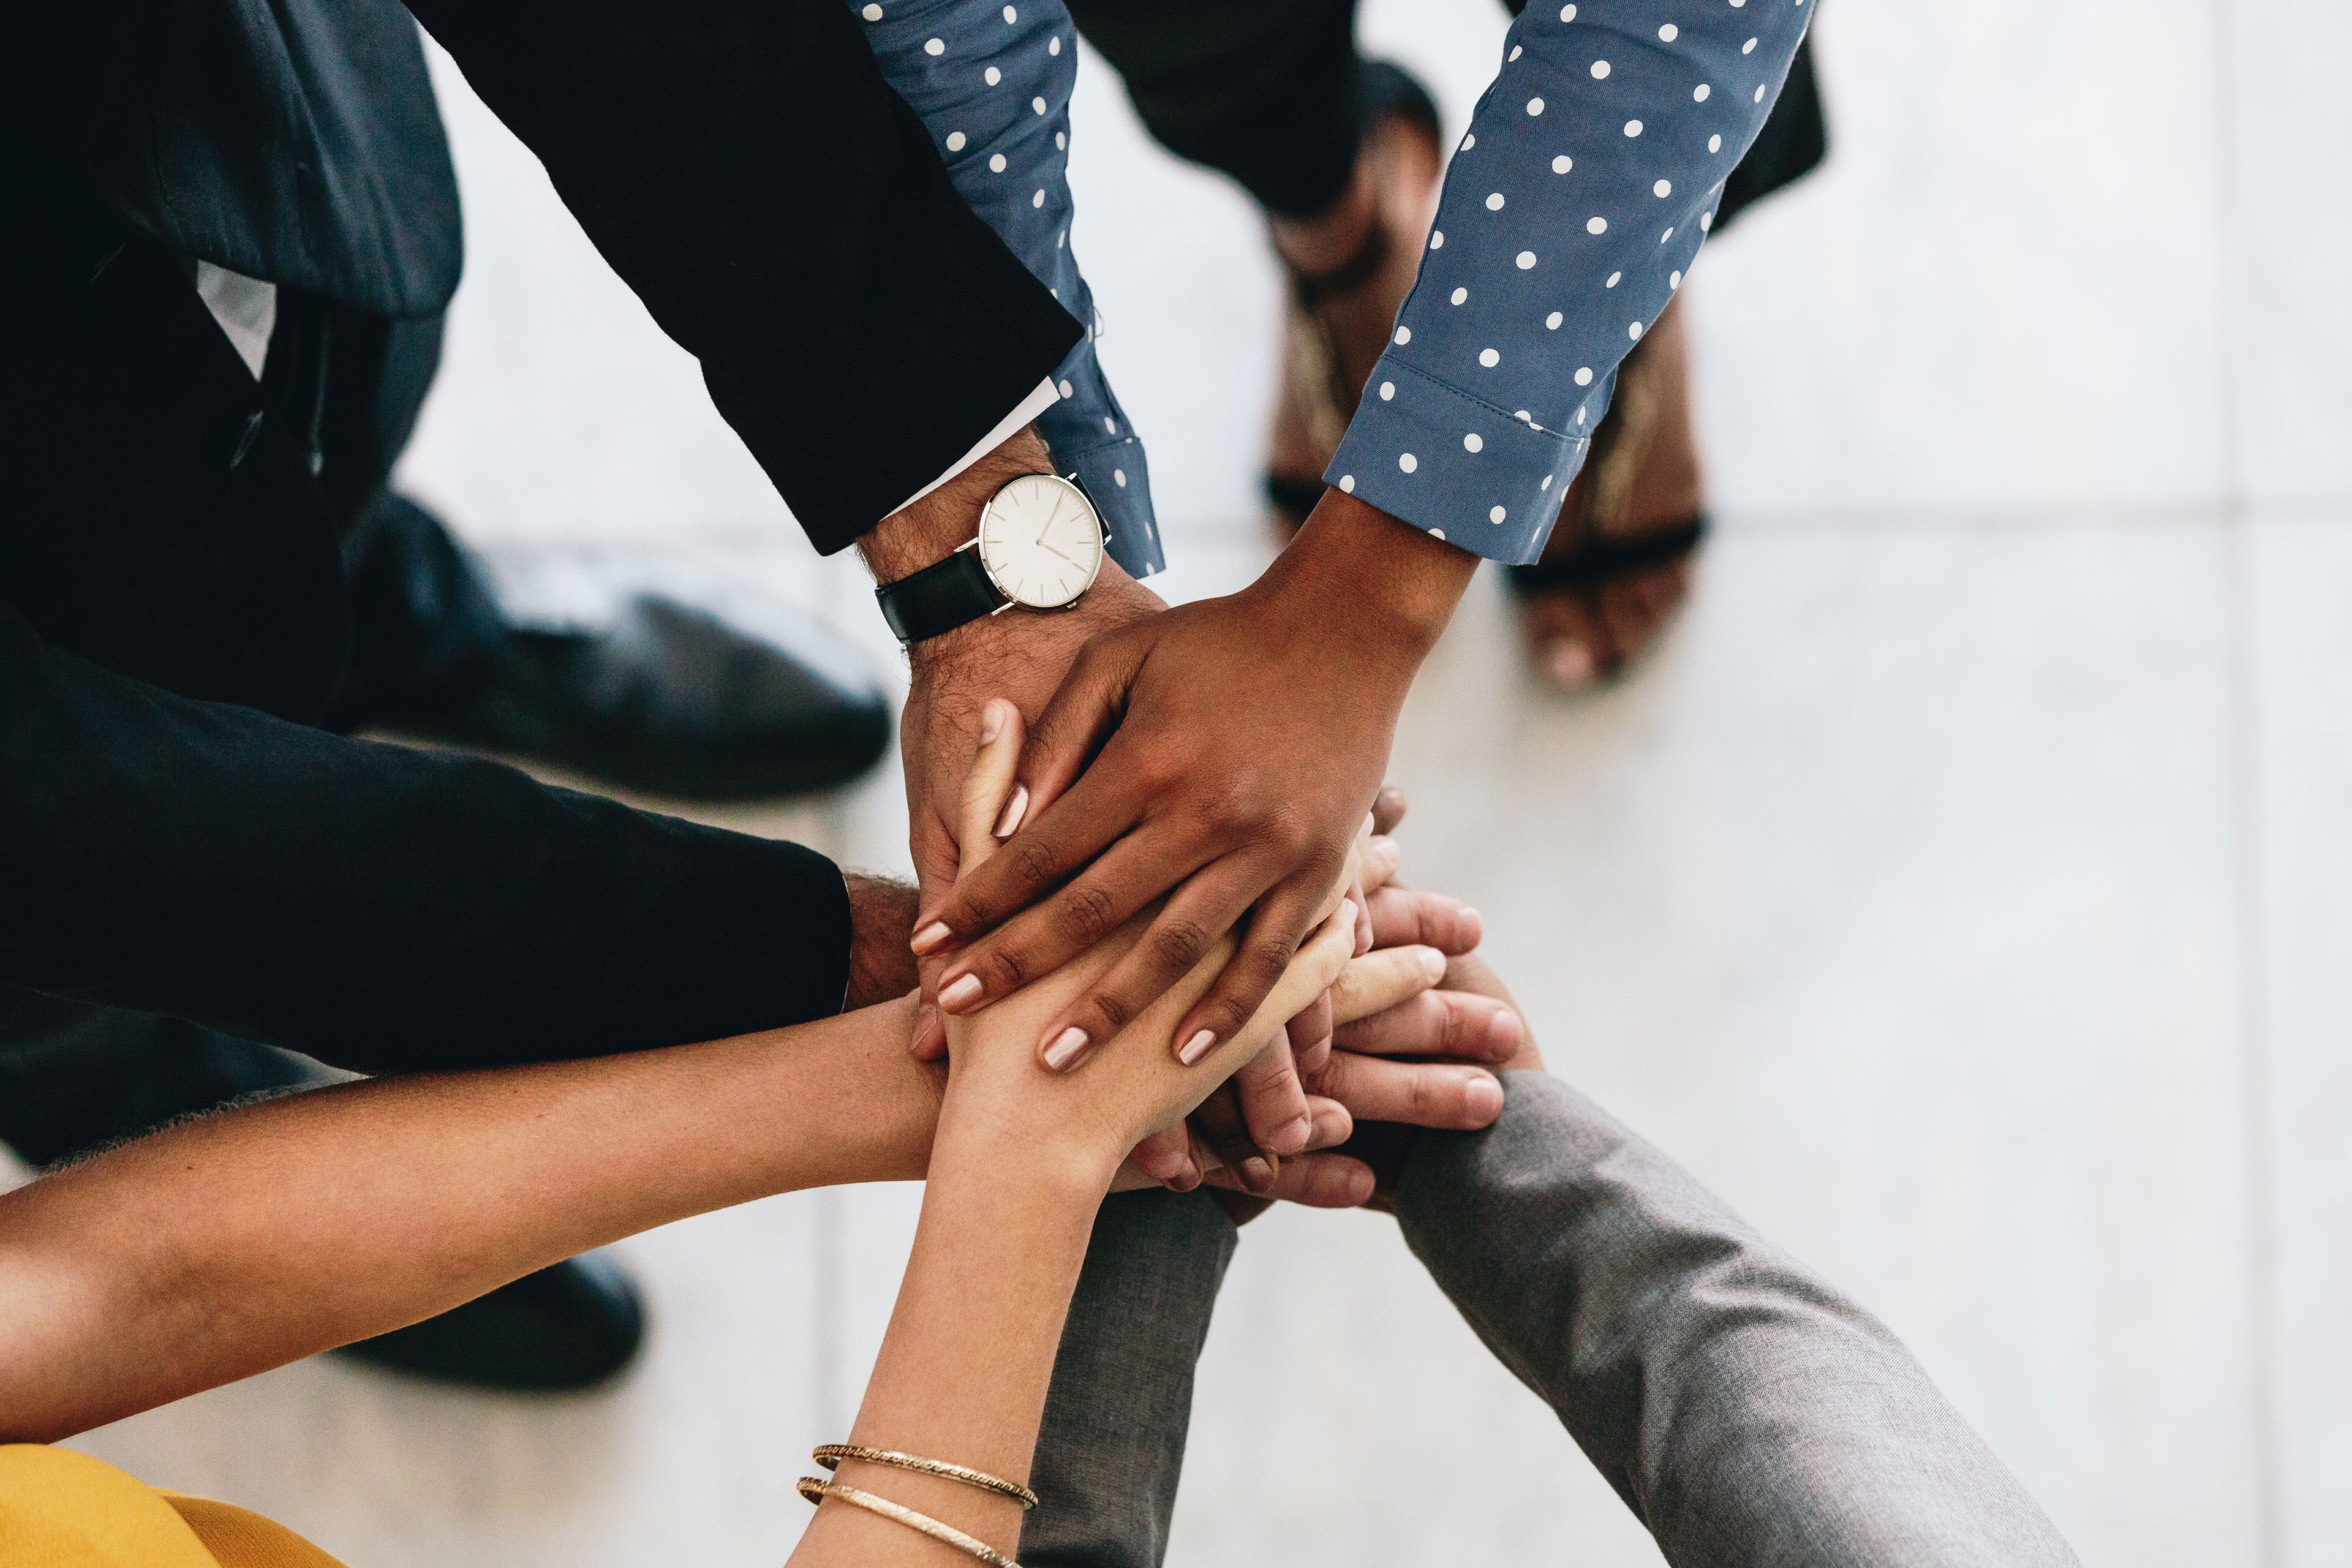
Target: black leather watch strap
{"points": [[940, 597]]}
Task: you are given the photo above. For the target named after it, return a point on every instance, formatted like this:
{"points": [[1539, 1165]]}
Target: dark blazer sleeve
{"points": [[1112, 1446], [744, 167], [378, 908]]}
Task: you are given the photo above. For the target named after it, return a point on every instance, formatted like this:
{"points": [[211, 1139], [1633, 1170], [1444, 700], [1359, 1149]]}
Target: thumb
{"points": [[1085, 710]]}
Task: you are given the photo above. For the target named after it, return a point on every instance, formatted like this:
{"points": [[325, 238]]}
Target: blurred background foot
{"points": [[1618, 564]]}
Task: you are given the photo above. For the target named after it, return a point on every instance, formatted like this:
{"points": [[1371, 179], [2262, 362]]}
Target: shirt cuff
{"points": [[1474, 475], [1025, 412], [1118, 480]]}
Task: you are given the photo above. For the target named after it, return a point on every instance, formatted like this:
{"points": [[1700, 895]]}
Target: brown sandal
{"points": [[1618, 563], [1319, 389]]}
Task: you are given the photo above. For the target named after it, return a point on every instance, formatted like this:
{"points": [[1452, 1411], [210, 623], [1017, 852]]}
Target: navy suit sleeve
{"points": [[378, 908]]}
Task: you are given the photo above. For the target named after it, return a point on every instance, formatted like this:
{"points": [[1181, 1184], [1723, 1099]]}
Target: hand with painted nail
{"points": [[1216, 761], [1137, 1087]]}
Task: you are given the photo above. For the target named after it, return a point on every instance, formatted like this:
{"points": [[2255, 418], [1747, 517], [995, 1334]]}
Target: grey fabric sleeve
{"points": [[1112, 1443], [1746, 1412]]}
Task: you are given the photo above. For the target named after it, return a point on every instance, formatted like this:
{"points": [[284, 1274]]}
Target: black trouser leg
{"points": [[1265, 91]]}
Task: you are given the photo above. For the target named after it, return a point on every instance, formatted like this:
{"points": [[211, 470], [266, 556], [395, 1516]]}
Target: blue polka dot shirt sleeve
{"points": [[993, 83], [1570, 213]]}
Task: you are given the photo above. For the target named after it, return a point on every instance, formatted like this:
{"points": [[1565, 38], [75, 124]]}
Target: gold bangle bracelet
{"points": [[830, 1455], [947, 1534]]}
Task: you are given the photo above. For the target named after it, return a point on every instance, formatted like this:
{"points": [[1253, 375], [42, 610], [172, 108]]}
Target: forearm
{"points": [[964, 1367], [1743, 1408], [237, 1243]]}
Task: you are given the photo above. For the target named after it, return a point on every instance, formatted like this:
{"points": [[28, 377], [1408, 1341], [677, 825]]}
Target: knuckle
{"points": [[1003, 968], [1087, 911], [1112, 1009], [1031, 864], [1177, 944]]}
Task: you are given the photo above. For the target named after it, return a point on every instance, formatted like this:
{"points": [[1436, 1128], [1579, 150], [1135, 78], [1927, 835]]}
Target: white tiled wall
{"points": [[1962, 892]]}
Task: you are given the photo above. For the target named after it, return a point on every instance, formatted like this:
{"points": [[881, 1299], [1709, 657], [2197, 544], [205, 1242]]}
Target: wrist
{"points": [[924, 532], [998, 646], [1394, 585], [1063, 1150], [881, 923]]}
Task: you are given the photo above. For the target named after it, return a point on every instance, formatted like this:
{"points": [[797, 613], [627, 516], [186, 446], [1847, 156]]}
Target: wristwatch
{"points": [[1039, 546]]}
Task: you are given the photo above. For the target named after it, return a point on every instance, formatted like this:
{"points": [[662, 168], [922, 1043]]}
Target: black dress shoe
{"points": [[667, 700], [75, 1076], [570, 1327], [671, 700]]}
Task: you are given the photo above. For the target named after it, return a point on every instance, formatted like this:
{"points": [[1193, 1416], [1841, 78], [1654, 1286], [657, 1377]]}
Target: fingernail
{"points": [[1503, 1032], [1388, 849], [1367, 830], [1068, 1048], [1185, 1180], [1475, 922], [1433, 963], [926, 1018], [1292, 1139], [1196, 1047], [1257, 1174], [992, 721], [1346, 913], [930, 937], [1482, 1097], [1014, 808], [959, 994]]}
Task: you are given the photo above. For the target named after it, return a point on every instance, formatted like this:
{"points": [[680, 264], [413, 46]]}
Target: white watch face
{"points": [[1040, 541]]}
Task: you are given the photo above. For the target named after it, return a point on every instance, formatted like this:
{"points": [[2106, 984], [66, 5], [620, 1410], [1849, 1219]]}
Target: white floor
{"points": [[1965, 891]]}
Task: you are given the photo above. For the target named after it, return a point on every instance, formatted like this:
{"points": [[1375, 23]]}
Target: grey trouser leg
{"points": [[1745, 1410], [1113, 1439]]}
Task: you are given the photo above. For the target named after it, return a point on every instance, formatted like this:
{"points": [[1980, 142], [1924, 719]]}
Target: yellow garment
{"points": [[59, 1509]]}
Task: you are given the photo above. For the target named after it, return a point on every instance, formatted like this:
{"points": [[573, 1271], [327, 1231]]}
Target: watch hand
{"points": [[1051, 519], [1053, 553]]}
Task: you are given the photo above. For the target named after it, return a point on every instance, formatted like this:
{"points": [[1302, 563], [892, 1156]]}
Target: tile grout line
{"points": [[2254, 1021]]}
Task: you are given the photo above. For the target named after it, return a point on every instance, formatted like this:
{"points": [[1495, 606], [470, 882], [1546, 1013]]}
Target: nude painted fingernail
{"points": [[1482, 1097], [1433, 963], [1257, 1174], [1196, 1047], [959, 992], [1013, 811], [991, 722], [1068, 1048], [929, 938]]}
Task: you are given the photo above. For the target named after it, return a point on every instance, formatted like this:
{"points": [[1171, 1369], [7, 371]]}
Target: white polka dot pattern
{"points": [[993, 84], [1506, 355]]}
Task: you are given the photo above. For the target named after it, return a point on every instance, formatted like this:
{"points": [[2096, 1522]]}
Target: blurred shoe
{"points": [[1339, 312], [1618, 564], [75, 1077], [667, 700], [570, 1327]]}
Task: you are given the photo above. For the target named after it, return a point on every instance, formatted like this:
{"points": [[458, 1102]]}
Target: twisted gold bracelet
{"points": [[816, 1490], [830, 1455]]}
